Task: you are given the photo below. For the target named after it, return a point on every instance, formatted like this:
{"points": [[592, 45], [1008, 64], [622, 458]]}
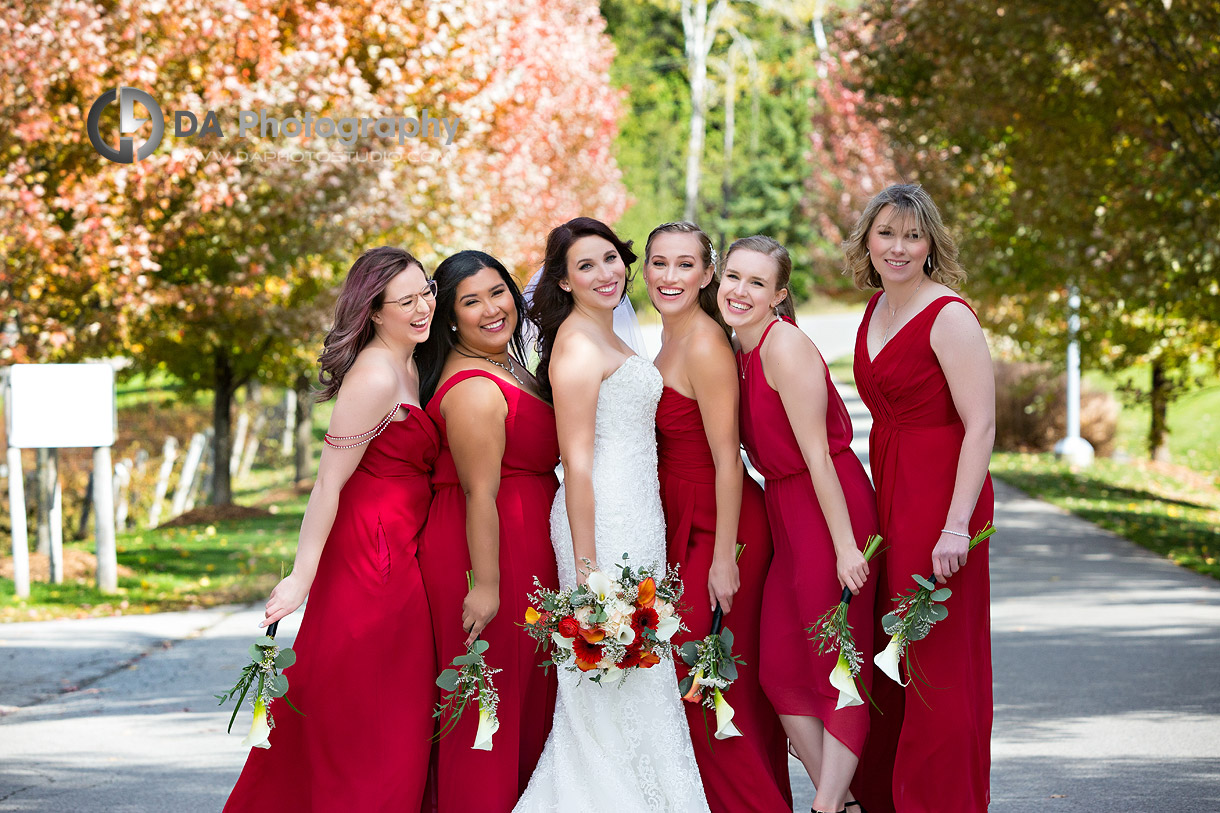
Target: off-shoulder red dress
{"points": [[528, 483], [803, 582], [365, 670], [937, 753], [750, 772]]}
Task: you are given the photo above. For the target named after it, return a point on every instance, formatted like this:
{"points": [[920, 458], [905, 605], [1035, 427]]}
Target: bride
{"points": [[623, 746]]}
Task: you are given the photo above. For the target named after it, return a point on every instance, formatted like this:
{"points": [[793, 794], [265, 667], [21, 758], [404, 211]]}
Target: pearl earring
{"points": [[453, 328]]}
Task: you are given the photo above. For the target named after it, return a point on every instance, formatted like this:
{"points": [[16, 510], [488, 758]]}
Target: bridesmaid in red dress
{"points": [[822, 510], [710, 507], [365, 670], [924, 370], [494, 483]]}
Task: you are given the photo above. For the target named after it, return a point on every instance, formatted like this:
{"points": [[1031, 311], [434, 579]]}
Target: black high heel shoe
{"points": [[854, 804]]}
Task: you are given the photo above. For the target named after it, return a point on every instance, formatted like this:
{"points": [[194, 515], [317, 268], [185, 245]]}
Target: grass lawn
{"points": [[1169, 510]]}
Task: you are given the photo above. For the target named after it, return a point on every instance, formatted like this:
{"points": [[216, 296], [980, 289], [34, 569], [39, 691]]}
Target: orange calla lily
{"points": [[532, 615], [647, 659], [648, 593], [592, 636], [696, 691]]}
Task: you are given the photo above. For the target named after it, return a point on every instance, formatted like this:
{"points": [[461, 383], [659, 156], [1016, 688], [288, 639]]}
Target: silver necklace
{"points": [[506, 368], [894, 311]]}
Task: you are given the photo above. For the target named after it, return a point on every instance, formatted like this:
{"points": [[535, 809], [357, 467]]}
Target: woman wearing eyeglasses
{"points": [[364, 673], [494, 484]]}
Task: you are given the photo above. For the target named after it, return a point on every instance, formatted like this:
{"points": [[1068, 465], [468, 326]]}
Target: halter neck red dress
{"points": [[938, 751], [365, 665], [750, 772], [803, 582], [527, 694]]}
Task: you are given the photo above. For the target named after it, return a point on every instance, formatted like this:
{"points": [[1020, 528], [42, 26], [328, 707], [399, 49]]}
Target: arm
{"points": [[712, 372], [576, 376], [367, 393], [960, 347], [474, 412], [800, 374]]}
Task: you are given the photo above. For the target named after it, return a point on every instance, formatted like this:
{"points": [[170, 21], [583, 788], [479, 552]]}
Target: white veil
{"points": [[626, 323]]}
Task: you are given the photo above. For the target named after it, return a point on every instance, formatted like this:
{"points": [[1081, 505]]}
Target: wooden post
{"points": [[186, 477], [290, 422], [239, 442], [122, 483], [16, 508], [206, 462], [46, 475], [252, 444], [169, 453], [103, 502], [55, 556]]}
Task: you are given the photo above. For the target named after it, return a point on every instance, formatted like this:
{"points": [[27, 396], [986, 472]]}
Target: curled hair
{"points": [[552, 304], [707, 294], [783, 266], [448, 276], [362, 295], [910, 201]]}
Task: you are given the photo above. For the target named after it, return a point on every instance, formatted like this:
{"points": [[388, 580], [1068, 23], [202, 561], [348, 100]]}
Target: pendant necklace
{"points": [[509, 368], [894, 311]]}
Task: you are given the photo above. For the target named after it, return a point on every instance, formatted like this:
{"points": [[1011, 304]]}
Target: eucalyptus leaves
{"points": [[266, 659], [832, 632], [469, 679], [917, 611], [713, 670]]}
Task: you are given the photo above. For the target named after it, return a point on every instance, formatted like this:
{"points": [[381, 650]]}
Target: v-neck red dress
{"points": [[938, 751], [803, 581], [527, 693], [365, 664], [750, 772]]}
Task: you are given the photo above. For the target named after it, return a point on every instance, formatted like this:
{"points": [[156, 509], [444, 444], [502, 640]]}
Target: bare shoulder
{"points": [[475, 397], [372, 377], [709, 345], [789, 348], [578, 354], [956, 321]]}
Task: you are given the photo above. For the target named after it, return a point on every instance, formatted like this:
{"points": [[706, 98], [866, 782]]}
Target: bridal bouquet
{"points": [[832, 632], [266, 659], [917, 611], [608, 625], [469, 679]]}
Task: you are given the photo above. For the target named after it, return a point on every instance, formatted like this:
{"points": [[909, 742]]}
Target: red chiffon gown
{"points": [[802, 583], [365, 664], [491, 781], [750, 772], [934, 748]]}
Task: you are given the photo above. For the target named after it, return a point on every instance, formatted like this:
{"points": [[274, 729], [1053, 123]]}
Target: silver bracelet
{"points": [[954, 533]]}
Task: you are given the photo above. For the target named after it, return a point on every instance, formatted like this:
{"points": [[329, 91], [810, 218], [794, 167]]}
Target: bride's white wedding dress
{"points": [[623, 746]]}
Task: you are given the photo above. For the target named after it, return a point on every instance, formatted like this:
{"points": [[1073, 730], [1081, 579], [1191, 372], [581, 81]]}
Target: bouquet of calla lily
{"points": [[713, 670], [917, 611], [607, 626], [832, 632], [266, 659], [469, 679]]}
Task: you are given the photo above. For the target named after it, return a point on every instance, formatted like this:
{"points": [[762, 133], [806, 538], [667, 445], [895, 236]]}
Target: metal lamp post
{"points": [[1073, 448]]}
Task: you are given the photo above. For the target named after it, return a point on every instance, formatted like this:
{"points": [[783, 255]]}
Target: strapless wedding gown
{"points": [[623, 746]]}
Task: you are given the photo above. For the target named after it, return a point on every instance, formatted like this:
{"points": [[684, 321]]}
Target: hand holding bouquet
{"points": [[713, 666], [609, 625], [832, 632], [917, 611], [468, 679]]}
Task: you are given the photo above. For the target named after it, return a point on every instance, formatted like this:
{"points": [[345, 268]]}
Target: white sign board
{"points": [[57, 406]]}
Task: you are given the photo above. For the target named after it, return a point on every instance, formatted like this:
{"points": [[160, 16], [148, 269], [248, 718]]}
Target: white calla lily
{"points": [[666, 627], [626, 635], [601, 585], [887, 660], [560, 641], [841, 679], [612, 674], [259, 730], [724, 717], [488, 725]]}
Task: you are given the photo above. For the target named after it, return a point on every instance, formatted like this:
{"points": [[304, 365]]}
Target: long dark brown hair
{"points": [[449, 274], [707, 294], [362, 295], [783, 264], [552, 304]]}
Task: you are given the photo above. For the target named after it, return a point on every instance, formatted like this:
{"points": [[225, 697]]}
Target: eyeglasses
{"points": [[408, 303]]}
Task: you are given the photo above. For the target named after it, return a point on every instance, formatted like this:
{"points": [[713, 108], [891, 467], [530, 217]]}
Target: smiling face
{"points": [[407, 307], [484, 312], [597, 277], [747, 293], [897, 247], [675, 272]]}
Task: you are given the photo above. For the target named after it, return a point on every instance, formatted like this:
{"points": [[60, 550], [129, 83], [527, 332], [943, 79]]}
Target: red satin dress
{"points": [[365, 664], [935, 754], [527, 694], [750, 772], [802, 583]]}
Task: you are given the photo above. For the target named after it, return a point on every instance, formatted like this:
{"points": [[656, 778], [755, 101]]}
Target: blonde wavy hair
{"points": [[911, 202]]}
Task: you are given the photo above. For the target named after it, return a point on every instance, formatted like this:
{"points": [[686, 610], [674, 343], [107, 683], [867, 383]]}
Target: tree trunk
{"points": [[304, 429], [1158, 430], [222, 404], [700, 32]]}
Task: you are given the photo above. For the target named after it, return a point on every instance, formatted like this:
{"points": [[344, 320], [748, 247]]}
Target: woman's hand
{"points": [[289, 594], [478, 608], [949, 556], [852, 569], [723, 582]]}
